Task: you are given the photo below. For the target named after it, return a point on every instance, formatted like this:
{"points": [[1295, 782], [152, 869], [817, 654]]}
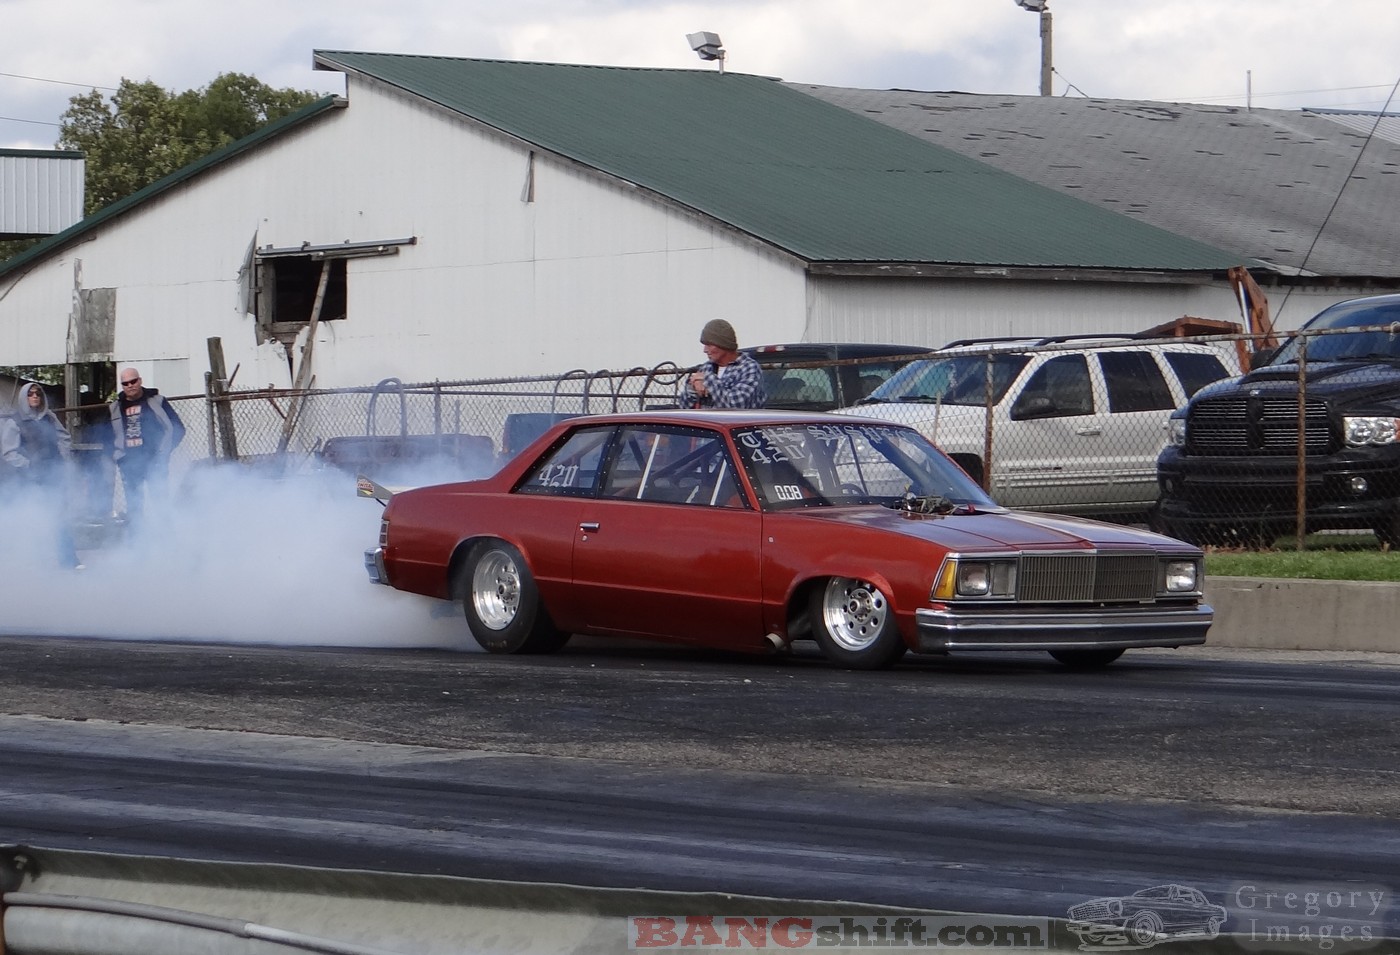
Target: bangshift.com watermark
{"points": [[829, 931]]}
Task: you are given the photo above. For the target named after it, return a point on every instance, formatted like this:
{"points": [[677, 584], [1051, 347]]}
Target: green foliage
{"points": [[48, 374], [145, 132], [1353, 558], [13, 247]]}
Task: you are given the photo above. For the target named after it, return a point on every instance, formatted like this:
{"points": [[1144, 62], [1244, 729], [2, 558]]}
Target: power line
{"points": [[36, 122], [40, 79]]}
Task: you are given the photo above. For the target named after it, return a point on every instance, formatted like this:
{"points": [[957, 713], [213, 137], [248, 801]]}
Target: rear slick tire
{"points": [[502, 604]]}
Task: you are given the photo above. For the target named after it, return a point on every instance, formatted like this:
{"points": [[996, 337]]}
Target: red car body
{"points": [[748, 530]]}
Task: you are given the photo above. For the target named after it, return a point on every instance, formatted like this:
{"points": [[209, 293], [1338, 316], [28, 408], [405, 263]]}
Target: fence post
{"points": [[1301, 514], [218, 397], [987, 430]]}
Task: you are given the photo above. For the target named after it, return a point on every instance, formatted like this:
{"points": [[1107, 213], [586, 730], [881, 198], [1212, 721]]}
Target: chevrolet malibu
{"points": [[748, 530]]}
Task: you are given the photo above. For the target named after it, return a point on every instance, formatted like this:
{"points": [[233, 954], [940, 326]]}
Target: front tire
{"points": [[1086, 659], [502, 603], [854, 625]]}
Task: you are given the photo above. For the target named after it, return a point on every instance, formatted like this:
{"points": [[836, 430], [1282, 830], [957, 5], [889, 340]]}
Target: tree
{"points": [[146, 132]]}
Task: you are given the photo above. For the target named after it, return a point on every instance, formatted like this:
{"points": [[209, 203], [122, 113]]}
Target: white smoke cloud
{"points": [[230, 557]]}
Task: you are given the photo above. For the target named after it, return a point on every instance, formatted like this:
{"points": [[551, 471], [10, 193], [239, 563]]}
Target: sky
{"points": [[1278, 54]]}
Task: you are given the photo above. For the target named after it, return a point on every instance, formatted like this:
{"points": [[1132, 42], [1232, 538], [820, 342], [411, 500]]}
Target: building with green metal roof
{"points": [[476, 217]]}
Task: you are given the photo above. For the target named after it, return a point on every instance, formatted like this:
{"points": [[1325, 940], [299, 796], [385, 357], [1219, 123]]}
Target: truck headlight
{"points": [[1180, 576], [1176, 432], [1361, 431]]}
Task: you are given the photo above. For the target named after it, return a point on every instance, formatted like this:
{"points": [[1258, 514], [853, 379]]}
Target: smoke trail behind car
{"points": [[230, 557]]}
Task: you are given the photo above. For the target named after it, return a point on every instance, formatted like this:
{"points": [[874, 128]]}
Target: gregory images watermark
{"points": [[1258, 916]]}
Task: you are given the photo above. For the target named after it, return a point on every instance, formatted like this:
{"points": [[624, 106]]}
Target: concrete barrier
{"points": [[1282, 614]]}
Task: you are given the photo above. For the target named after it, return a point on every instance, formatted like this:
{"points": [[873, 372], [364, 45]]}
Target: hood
{"points": [[1324, 380], [22, 408], [921, 415], [992, 529]]}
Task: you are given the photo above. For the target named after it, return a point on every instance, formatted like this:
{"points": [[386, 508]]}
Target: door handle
{"points": [[588, 527], [1089, 431]]}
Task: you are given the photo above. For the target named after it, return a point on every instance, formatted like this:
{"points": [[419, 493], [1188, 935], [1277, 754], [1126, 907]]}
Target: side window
{"points": [[672, 466], [874, 374], [571, 470], [1135, 382], [798, 387], [1195, 370], [1060, 388]]}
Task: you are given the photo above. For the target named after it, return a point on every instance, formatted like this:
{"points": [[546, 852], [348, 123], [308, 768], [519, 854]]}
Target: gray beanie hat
{"points": [[719, 333]]}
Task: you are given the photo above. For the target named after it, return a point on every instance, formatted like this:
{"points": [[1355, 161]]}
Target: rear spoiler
{"points": [[364, 487]]}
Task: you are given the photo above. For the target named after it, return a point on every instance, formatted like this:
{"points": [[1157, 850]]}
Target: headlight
{"points": [[1180, 576], [1363, 431], [961, 577], [974, 579], [1176, 432]]}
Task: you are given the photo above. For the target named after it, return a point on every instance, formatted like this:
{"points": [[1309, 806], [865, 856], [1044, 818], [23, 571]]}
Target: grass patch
{"points": [[1327, 557]]}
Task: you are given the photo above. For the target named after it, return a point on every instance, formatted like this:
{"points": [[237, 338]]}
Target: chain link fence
{"points": [[1072, 425]]}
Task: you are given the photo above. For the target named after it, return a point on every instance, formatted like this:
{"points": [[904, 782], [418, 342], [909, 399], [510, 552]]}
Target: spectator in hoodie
{"points": [[145, 431], [37, 452]]}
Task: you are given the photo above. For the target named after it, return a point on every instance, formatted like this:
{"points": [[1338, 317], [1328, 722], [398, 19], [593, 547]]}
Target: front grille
{"points": [[1061, 578], [1238, 425], [1091, 910]]}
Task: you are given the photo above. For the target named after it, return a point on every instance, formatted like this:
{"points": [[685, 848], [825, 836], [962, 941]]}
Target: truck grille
{"points": [[1239, 425], [1054, 578]]}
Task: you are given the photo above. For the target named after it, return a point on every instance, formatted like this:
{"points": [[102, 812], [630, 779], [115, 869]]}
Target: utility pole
{"points": [[1047, 61]]}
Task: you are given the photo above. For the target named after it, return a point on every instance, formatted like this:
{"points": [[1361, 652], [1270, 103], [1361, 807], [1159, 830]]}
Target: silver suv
{"points": [[1076, 422]]}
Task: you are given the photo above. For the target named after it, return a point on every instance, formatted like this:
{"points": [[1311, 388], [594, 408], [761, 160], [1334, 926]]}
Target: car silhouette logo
{"points": [[1162, 913]]}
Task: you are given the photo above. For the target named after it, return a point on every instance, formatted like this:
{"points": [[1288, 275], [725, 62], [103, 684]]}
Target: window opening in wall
{"points": [[286, 282]]}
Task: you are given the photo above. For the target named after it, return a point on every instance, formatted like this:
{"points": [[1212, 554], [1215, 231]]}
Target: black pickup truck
{"points": [[1229, 473]]}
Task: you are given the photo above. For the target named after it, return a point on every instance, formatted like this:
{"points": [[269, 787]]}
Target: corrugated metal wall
{"points": [[41, 193], [933, 312]]}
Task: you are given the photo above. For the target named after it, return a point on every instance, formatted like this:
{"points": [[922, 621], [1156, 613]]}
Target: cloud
{"points": [[1295, 52]]}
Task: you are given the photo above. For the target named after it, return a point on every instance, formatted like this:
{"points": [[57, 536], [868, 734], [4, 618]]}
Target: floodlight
{"points": [[1035, 6], [707, 46]]}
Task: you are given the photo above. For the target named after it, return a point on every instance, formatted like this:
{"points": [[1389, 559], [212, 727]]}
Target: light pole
{"points": [[1046, 62]]}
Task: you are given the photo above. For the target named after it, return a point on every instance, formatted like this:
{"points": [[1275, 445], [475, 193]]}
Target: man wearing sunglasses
{"points": [[145, 430]]}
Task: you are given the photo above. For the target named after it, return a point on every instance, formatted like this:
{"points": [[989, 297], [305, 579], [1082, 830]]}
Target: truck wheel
{"points": [[1388, 531]]}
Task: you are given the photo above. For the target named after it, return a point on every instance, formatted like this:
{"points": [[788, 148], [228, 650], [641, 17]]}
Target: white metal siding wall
{"points": [[40, 195], [591, 274], [934, 312]]}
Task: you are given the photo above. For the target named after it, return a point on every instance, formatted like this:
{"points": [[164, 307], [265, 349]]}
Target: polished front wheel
{"points": [[502, 604], [854, 624]]}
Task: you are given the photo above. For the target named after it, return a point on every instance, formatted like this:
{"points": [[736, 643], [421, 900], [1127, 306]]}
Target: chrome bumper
{"points": [[374, 566], [941, 631]]}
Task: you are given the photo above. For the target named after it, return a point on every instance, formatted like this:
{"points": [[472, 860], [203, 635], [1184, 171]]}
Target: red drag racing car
{"points": [[747, 530]]}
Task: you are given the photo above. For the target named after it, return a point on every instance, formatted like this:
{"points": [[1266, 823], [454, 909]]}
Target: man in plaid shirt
{"points": [[729, 378]]}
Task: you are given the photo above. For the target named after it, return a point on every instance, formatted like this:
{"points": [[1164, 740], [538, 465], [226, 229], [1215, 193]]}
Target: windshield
{"points": [[826, 465], [1370, 345], [955, 380]]}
